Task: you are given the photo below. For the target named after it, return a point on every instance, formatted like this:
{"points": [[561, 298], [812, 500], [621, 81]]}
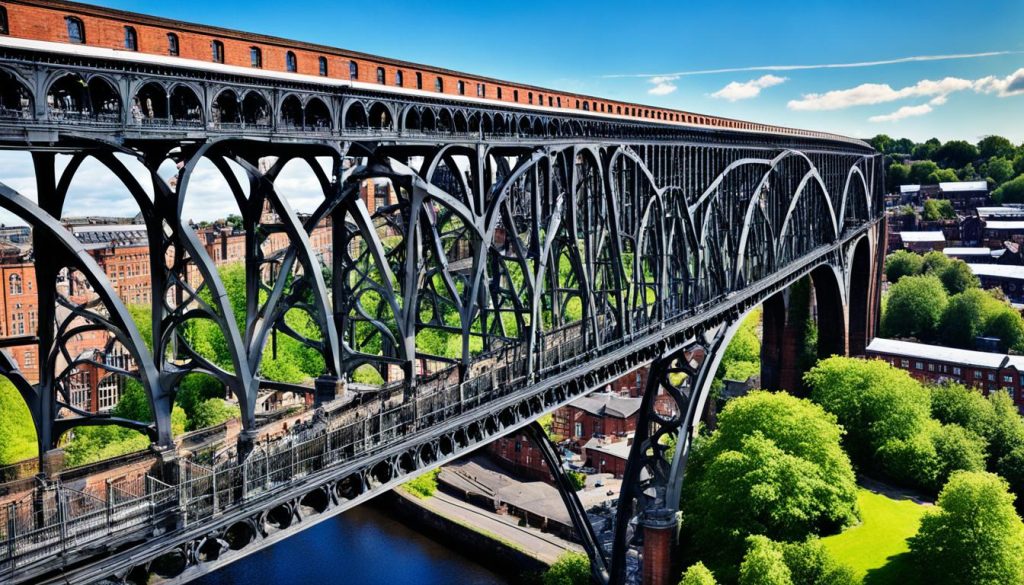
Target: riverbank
{"points": [[496, 540]]}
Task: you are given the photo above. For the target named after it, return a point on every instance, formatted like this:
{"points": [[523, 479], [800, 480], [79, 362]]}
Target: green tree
{"points": [[968, 173], [212, 412], [942, 176], [902, 263], [874, 402], [1011, 191], [810, 563], [973, 536], [995, 146], [1000, 170], [926, 150], [698, 574], [956, 449], [955, 154], [1008, 326], [788, 477], [936, 209], [1007, 426], [935, 262], [572, 568], [133, 403], [882, 143], [764, 564], [896, 175], [915, 305], [957, 277], [965, 317], [956, 404], [424, 485], [921, 170]]}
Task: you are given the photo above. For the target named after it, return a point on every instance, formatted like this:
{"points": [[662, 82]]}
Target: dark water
{"points": [[360, 546]]}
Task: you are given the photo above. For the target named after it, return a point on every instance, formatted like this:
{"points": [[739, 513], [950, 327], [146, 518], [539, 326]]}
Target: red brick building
{"points": [[608, 454], [601, 414], [518, 454], [933, 363]]}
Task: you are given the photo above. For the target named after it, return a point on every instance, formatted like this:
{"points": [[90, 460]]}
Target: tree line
{"points": [[936, 299], [994, 159]]}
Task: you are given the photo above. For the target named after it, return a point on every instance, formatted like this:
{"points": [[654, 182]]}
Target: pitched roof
{"points": [[608, 404], [922, 236], [964, 186], [952, 355], [998, 271]]}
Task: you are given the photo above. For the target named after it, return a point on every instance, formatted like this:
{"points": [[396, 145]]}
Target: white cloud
{"points": [[904, 112], [857, 64], [1012, 84], [663, 84], [748, 89], [868, 94]]}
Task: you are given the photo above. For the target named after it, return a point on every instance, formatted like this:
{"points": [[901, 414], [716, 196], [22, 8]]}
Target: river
{"points": [[361, 546]]}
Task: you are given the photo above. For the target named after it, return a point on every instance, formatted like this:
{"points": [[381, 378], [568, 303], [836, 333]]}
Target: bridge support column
{"points": [[660, 528], [786, 315], [246, 443]]}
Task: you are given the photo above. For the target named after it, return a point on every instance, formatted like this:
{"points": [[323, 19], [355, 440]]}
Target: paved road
{"points": [[543, 546]]}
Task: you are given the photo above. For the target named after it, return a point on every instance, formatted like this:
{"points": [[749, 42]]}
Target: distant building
{"points": [[600, 414], [1007, 277], [995, 232], [933, 363], [922, 242], [972, 255], [608, 454], [965, 195]]}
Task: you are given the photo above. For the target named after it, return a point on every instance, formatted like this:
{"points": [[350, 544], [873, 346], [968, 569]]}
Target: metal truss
{"points": [[500, 249]]}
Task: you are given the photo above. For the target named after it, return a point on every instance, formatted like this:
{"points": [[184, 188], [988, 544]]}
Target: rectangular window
{"points": [[578, 429], [977, 375], [919, 365], [956, 371], [172, 44], [256, 57], [905, 363], [931, 367], [1008, 379], [217, 51], [991, 377], [481, 90]]}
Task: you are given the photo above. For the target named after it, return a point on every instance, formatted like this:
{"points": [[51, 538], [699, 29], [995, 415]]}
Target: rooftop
{"points": [[618, 449], [998, 271], [910, 188], [964, 186], [608, 404], [954, 251], [922, 237], [1004, 225], [952, 355]]}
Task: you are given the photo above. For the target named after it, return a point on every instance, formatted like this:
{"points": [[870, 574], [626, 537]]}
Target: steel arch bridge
{"points": [[551, 252]]}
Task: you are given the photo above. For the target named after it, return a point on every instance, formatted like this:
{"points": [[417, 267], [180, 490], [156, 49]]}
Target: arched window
{"points": [[419, 80], [559, 101], [481, 90], [529, 97], [499, 93], [4, 29], [217, 50], [515, 95], [15, 284], [290, 62], [586, 106], [462, 87], [256, 57], [438, 84], [131, 40], [172, 44], [399, 78], [577, 104], [323, 66], [353, 70], [380, 75], [76, 30]]}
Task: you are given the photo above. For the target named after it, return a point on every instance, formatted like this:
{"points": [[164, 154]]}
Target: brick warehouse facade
{"points": [[67, 22]]}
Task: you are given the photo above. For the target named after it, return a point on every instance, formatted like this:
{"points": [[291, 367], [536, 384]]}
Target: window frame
{"points": [[291, 62], [74, 20], [439, 84], [5, 25], [322, 63], [353, 70], [217, 51], [256, 57], [131, 39], [173, 44], [382, 77]]}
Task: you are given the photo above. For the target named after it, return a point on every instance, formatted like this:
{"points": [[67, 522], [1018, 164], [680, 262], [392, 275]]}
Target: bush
{"points": [[764, 564], [973, 536], [572, 568], [698, 574], [810, 563], [424, 485]]}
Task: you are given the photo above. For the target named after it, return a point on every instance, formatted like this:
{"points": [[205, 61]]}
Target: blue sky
{"points": [[557, 44]]}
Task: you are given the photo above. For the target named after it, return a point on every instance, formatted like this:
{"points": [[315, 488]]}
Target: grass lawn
{"points": [[877, 547]]}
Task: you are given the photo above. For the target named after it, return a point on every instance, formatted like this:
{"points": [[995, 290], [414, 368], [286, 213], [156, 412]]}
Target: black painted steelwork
{"points": [[549, 251]]}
